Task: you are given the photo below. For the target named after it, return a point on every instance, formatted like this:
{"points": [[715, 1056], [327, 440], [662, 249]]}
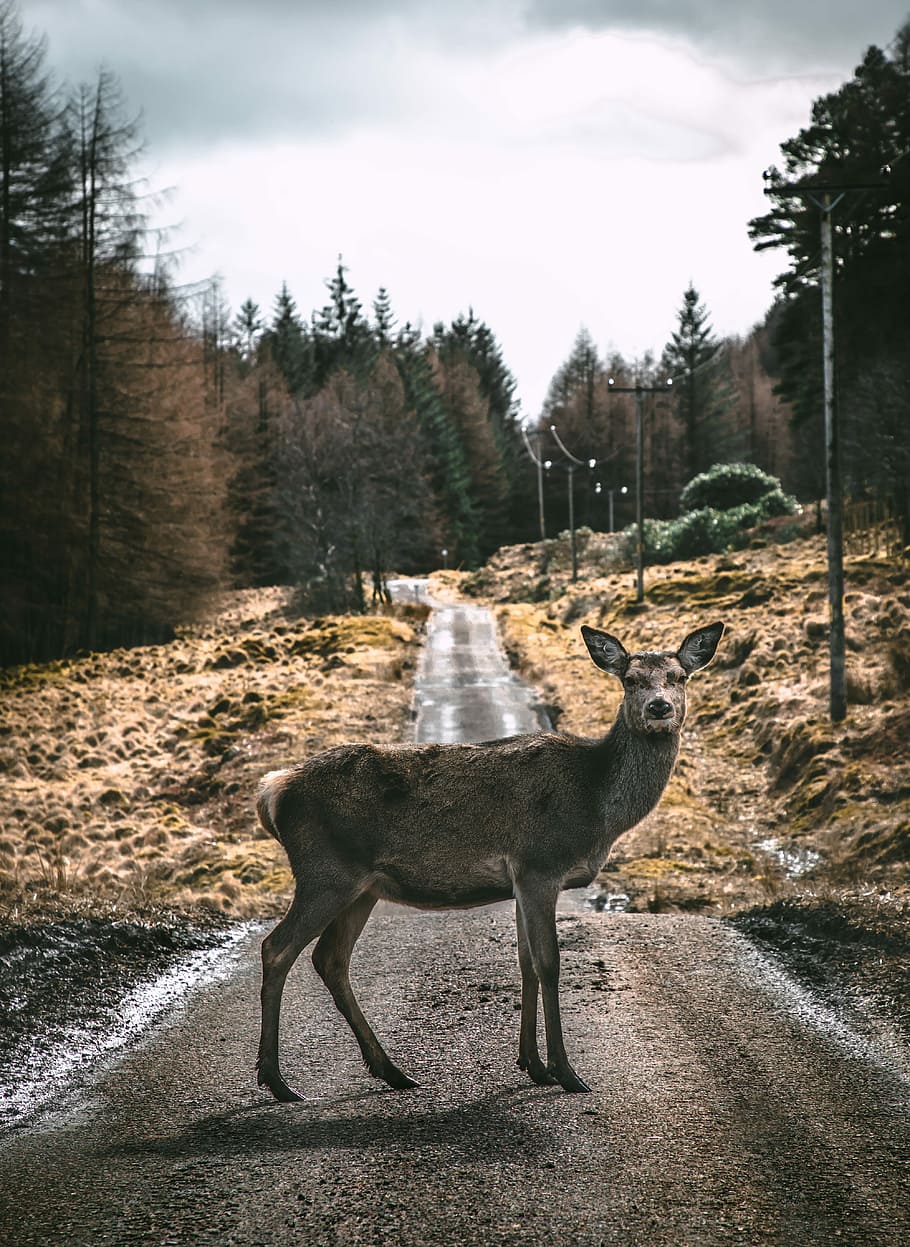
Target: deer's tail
{"points": [[270, 789]]}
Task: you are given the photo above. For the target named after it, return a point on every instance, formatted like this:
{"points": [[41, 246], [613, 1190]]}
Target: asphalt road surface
{"points": [[726, 1108]]}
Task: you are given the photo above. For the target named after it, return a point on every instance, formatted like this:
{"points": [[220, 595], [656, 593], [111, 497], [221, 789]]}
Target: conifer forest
{"points": [[160, 446]]}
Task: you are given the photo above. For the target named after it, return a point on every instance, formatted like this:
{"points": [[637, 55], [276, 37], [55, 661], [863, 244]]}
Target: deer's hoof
{"points": [[280, 1090], [537, 1072], [396, 1078], [570, 1081]]}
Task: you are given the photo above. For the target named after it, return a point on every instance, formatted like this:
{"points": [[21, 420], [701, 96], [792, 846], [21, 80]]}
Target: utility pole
{"points": [[825, 198], [639, 391], [542, 464], [573, 463]]}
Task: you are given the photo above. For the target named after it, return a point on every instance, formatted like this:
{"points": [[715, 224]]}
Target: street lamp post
{"points": [[622, 489]]}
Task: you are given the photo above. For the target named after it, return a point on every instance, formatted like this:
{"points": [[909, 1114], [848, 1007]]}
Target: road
{"points": [[727, 1107]]}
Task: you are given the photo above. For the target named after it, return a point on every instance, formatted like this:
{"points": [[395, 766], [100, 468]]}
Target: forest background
{"points": [[160, 447]]}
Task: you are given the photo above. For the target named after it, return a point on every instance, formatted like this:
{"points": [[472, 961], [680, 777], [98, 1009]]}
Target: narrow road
{"points": [[464, 689], [727, 1108]]}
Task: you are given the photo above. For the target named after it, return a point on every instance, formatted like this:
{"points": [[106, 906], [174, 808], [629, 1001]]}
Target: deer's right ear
{"points": [[608, 653]]}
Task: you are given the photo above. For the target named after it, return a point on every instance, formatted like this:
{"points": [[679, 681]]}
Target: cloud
{"points": [[758, 35], [213, 70], [217, 70]]}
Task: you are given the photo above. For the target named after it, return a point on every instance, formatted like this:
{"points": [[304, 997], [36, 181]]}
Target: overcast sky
{"points": [[550, 163]]}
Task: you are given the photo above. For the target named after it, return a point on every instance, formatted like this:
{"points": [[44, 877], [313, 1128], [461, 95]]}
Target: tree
{"points": [[468, 411], [384, 318], [694, 359], [247, 329], [108, 228], [341, 334], [853, 134], [290, 345], [353, 490], [446, 459]]}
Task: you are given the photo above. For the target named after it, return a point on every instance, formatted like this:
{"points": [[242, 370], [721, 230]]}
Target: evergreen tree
{"points": [[341, 334], [109, 230], [467, 409], [247, 328], [290, 344], [384, 319], [694, 359], [447, 462], [853, 134]]}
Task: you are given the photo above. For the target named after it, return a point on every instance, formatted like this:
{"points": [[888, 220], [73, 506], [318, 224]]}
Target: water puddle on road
{"points": [[47, 1068], [794, 859]]}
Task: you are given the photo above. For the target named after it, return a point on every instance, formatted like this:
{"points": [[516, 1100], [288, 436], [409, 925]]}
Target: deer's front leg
{"points": [[536, 899], [528, 1055]]}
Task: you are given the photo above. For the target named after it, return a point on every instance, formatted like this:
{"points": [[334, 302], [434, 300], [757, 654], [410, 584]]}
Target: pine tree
{"points": [[384, 319], [447, 462], [109, 230], [853, 134], [290, 344], [693, 359], [341, 333], [468, 411], [247, 329]]}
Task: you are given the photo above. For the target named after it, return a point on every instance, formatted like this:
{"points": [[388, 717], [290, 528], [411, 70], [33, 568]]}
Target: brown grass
{"points": [[128, 777], [760, 762]]}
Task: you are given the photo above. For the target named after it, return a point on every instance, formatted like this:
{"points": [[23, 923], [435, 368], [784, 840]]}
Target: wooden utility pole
{"points": [[542, 464], [573, 463], [835, 538], [826, 198], [639, 391]]}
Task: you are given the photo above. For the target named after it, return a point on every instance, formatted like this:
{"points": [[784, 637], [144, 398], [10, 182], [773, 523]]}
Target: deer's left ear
{"points": [[698, 648], [608, 653]]}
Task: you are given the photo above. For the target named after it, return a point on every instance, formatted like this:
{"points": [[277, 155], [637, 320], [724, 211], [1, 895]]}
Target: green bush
{"points": [[708, 530], [727, 485]]}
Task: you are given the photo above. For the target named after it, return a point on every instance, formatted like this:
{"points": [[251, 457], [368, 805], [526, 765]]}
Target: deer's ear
{"points": [[698, 648], [608, 653]]}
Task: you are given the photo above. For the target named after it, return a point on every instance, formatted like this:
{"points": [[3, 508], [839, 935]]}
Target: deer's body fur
{"points": [[455, 826]]}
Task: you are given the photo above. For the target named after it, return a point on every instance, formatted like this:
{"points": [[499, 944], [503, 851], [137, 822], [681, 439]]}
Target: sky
{"points": [[550, 164]]}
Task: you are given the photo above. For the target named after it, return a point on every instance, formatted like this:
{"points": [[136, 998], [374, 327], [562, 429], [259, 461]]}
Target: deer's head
{"points": [[654, 681]]}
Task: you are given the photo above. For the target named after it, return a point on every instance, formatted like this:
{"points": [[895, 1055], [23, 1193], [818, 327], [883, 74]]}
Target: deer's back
{"points": [[459, 815]]}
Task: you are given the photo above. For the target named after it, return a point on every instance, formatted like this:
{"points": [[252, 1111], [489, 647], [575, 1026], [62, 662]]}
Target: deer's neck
{"points": [[635, 770]]}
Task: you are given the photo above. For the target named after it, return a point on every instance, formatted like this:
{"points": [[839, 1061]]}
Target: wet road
{"points": [[727, 1108], [464, 690]]}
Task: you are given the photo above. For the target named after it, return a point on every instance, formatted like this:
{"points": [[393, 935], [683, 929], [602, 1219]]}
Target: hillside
{"points": [[767, 794], [129, 776]]}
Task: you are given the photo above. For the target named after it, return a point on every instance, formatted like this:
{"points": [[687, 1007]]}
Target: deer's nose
{"points": [[659, 708]]}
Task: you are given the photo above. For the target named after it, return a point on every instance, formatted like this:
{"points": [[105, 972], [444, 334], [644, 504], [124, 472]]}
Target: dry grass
{"points": [[760, 760], [128, 777]]}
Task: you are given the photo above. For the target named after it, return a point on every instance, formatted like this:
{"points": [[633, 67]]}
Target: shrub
{"points": [[727, 485], [707, 530]]}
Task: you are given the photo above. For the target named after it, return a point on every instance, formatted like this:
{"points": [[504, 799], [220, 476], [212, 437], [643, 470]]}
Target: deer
{"points": [[461, 825]]}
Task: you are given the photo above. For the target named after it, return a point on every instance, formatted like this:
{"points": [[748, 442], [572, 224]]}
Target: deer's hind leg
{"points": [[332, 959], [311, 911], [528, 1053]]}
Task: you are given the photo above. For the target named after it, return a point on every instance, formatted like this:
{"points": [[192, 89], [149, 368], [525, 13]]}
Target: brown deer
{"points": [[454, 826]]}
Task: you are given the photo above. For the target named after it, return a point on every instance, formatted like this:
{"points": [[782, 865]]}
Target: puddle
{"points": [[578, 900], [794, 859]]}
